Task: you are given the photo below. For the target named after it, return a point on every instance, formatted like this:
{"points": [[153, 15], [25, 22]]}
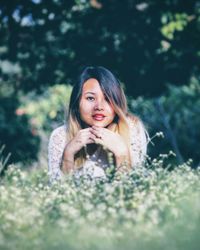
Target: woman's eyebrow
{"points": [[89, 92]]}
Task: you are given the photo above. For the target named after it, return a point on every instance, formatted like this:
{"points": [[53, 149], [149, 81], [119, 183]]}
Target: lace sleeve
{"points": [[138, 143], [57, 142]]}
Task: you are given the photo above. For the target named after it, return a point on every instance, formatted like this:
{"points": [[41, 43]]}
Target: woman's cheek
{"points": [[111, 111]]}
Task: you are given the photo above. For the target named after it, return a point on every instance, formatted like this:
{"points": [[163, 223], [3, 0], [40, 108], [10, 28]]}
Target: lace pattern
{"points": [[138, 143], [57, 142]]}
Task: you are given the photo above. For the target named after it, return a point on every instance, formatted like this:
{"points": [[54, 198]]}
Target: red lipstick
{"points": [[98, 117]]}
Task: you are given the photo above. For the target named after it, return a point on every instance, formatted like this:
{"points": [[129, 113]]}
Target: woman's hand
{"points": [[110, 140], [83, 137]]}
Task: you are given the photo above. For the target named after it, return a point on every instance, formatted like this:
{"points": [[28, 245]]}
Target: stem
{"points": [[169, 130]]}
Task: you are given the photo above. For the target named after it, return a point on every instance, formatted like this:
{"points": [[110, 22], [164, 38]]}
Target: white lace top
{"points": [[98, 162]]}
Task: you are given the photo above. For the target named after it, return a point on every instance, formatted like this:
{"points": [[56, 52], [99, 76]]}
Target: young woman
{"points": [[98, 130]]}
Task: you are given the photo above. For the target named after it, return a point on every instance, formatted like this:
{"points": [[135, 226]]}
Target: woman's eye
{"points": [[90, 98], [106, 98]]}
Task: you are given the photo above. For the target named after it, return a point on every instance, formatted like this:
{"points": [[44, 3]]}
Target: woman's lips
{"points": [[98, 117]]}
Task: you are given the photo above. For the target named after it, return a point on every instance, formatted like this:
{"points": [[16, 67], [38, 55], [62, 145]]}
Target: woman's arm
{"points": [[122, 162], [57, 142], [83, 137], [67, 163], [138, 148], [114, 143]]}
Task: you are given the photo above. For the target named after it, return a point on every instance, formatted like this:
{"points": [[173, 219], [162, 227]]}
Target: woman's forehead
{"points": [[91, 85]]}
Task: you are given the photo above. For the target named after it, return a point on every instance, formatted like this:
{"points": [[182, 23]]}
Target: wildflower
{"points": [[160, 134], [172, 153]]}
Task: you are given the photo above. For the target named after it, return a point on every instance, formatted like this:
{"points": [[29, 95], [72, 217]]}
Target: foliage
{"points": [[173, 24], [48, 42], [16, 134], [176, 114], [45, 43], [46, 111], [150, 208]]}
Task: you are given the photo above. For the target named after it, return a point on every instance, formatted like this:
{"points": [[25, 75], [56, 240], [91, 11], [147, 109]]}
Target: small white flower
{"points": [[93, 171], [160, 134]]}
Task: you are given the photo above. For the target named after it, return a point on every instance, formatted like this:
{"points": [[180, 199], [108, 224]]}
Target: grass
{"points": [[151, 208]]}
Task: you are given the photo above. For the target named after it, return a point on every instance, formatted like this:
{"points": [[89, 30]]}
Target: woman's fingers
{"points": [[90, 135], [98, 141], [90, 141], [97, 132], [85, 137], [91, 138]]}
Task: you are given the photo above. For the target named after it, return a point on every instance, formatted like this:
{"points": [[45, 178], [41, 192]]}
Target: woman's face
{"points": [[94, 107]]}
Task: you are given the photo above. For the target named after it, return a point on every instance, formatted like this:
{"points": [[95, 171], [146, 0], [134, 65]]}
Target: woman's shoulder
{"points": [[58, 132], [135, 121], [138, 129]]}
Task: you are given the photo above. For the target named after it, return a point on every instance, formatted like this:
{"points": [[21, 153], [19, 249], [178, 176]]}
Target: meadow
{"points": [[154, 207], [154, 50]]}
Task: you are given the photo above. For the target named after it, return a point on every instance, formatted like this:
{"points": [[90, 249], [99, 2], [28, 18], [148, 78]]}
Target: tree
{"points": [[147, 44]]}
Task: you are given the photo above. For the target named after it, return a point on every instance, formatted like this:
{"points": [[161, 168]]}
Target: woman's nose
{"points": [[99, 105]]}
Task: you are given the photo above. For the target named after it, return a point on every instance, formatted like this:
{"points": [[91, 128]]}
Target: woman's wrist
{"points": [[67, 164], [68, 152], [120, 154], [122, 160]]}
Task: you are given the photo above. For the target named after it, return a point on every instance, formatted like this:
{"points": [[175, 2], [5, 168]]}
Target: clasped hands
{"points": [[107, 138], [110, 140]]}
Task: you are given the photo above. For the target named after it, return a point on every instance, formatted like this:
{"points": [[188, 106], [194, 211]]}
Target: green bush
{"points": [[46, 111], [16, 133], [176, 114]]}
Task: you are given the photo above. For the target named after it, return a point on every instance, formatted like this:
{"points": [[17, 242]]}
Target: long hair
{"points": [[112, 89]]}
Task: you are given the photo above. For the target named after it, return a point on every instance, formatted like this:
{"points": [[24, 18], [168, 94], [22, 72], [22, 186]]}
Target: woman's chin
{"points": [[99, 124]]}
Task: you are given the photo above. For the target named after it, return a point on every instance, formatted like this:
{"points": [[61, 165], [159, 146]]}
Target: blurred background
{"points": [[152, 46]]}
